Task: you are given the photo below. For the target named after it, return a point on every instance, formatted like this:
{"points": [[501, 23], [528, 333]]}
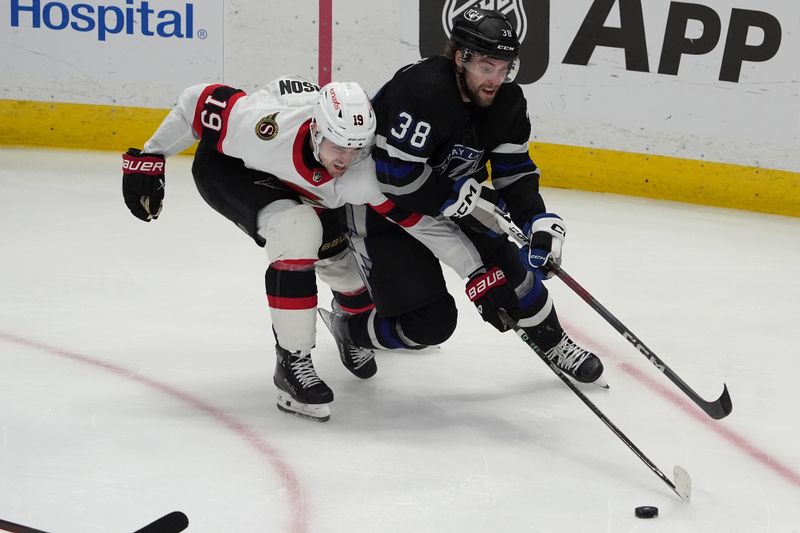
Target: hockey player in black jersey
{"points": [[440, 121]]}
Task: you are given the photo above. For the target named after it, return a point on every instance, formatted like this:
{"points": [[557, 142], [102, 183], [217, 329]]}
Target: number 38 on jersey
{"points": [[412, 132]]}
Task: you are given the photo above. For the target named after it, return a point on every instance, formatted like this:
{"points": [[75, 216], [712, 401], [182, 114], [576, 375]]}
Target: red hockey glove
{"points": [[490, 292]]}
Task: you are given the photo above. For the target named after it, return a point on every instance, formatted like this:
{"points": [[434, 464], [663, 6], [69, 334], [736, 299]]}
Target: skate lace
{"points": [[358, 356], [303, 370], [570, 355]]}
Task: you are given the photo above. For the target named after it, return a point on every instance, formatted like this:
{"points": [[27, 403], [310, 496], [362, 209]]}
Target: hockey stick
{"points": [[719, 408], [11, 527], [174, 522], [683, 483]]}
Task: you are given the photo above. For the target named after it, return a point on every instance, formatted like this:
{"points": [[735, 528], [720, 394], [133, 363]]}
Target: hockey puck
{"points": [[646, 511]]}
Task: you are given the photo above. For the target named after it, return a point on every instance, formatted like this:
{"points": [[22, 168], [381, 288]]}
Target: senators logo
{"points": [[267, 127]]}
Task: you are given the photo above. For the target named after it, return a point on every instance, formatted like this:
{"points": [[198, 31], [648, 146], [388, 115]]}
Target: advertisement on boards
{"points": [[104, 51], [684, 29], [702, 79]]}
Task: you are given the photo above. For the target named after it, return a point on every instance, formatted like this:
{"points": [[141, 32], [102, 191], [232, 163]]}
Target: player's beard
{"points": [[474, 95]]}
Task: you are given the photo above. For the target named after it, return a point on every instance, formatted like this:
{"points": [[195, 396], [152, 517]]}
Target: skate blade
{"points": [[315, 412], [599, 382], [325, 315]]}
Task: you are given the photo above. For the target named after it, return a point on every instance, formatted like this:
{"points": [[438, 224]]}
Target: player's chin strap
{"points": [[717, 409]]}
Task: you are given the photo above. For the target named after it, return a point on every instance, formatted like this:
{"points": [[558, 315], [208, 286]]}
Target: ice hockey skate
{"points": [[359, 361], [578, 363], [300, 391]]}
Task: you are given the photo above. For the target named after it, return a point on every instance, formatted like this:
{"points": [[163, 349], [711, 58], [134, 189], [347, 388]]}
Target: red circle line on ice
{"points": [[298, 514]]}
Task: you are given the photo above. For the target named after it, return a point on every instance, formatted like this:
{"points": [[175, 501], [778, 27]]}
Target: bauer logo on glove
{"points": [[483, 283], [144, 165], [143, 183], [489, 291]]}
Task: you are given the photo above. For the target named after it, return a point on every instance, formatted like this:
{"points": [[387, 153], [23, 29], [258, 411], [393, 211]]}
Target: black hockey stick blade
{"points": [[717, 409], [174, 522], [720, 408], [11, 527]]}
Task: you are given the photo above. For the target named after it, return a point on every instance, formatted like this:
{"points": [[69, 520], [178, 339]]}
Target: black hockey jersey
{"points": [[427, 137]]}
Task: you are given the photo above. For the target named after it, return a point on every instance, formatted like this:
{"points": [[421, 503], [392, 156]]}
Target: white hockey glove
{"points": [[546, 233], [466, 192]]}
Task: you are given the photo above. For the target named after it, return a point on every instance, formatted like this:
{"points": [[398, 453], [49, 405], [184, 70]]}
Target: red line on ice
{"points": [[297, 500], [731, 436], [672, 394]]}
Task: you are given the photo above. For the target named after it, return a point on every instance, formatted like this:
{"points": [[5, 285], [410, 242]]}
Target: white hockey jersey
{"points": [[267, 130]]}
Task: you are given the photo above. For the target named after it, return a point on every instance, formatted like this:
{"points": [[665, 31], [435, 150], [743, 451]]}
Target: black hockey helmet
{"points": [[486, 32]]}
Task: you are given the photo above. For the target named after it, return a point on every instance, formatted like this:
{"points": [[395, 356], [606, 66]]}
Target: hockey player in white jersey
{"points": [[278, 163]]}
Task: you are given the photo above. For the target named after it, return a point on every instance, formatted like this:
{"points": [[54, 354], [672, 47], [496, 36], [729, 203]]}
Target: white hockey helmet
{"points": [[343, 115]]}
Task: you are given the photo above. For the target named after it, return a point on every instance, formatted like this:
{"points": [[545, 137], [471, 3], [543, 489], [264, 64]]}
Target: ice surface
{"points": [[136, 378]]}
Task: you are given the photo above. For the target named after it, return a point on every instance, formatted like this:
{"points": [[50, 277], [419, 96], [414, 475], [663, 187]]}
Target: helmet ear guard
{"points": [[343, 114]]}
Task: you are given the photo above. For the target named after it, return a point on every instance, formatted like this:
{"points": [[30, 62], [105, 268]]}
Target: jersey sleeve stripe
{"points": [[380, 142], [411, 220], [408, 188], [396, 214], [509, 148], [392, 169], [293, 264], [501, 182], [384, 207]]}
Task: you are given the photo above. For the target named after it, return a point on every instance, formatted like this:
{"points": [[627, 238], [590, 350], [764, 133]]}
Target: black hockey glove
{"points": [[143, 183], [546, 233], [490, 292]]}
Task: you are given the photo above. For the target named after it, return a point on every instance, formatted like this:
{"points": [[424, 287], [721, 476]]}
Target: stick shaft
{"points": [[596, 410], [717, 409]]}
